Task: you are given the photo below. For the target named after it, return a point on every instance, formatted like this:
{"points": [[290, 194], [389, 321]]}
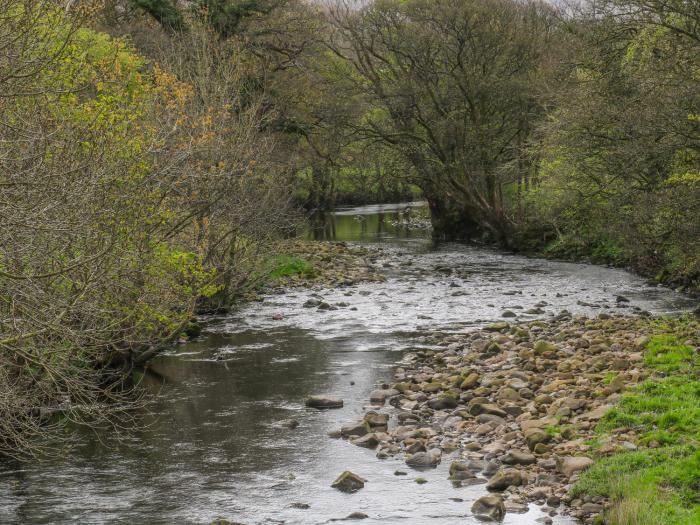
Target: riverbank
{"points": [[303, 263], [589, 417]]}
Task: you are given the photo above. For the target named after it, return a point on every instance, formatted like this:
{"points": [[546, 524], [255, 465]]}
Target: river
{"points": [[212, 446]]}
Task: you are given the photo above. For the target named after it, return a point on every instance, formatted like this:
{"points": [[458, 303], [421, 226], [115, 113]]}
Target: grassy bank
{"points": [[659, 482]]}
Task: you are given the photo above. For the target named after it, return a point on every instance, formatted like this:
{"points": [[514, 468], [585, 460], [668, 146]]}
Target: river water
{"points": [[212, 446]]}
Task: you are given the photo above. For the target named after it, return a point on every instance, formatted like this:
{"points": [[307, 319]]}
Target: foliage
{"points": [[617, 180], [130, 195], [285, 266]]}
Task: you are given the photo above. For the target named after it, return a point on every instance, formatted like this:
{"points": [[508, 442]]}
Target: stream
{"points": [[212, 445]]}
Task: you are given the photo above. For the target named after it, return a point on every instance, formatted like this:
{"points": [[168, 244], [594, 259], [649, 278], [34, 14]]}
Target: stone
{"points": [[428, 459], [491, 507], [592, 508], [570, 465], [505, 478], [366, 441], [508, 394], [348, 482], [515, 457], [541, 448], [377, 397], [470, 381], [620, 364], [490, 418], [497, 327], [375, 419], [324, 402], [533, 436], [542, 347], [460, 471], [358, 429], [596, 413], [356, 516], [442, 403], [486, 408]]}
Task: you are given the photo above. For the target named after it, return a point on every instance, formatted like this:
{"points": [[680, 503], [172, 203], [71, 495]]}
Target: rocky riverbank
{"points": [[328, 264], [516, 407]]}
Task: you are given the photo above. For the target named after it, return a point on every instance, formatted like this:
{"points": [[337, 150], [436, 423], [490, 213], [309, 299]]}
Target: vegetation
{"points": [[659, 482], [153, 153]]}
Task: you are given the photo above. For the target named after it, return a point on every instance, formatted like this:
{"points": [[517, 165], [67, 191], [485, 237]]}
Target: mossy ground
{"points": [[659, 483]]}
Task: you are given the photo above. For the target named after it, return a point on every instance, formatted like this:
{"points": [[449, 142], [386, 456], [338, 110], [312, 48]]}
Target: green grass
{"points": [[286, 266], [659, 485], [609, 376]]}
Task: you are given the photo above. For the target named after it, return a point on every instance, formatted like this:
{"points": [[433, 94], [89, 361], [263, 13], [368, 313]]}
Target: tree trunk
{"points": [[452, 220]]}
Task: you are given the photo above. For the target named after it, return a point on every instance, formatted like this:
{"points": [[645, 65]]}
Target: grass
{"points": [[286, 266], [659, 485]]}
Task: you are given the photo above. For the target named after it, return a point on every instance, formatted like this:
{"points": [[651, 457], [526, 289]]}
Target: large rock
{"points": [[375, 419], [428, 459], [355, 429], [442, 402], [471, 381], [490, 507], [367, 441], [597, 413], [505, 478], [460, 471], [515, 457], [323, 402], [542, 347], [569, 465], [534, 436], [348, 482], [486, 408], [378, 397]]}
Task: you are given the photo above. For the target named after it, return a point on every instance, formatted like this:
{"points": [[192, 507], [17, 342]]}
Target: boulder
{"points": [[505, 478], [486, 408], [443, 402], [366, 441], [377, 397], [470, 381], [533, 436], [348, 482], [490, 507], [542, 347], [355, 429], [357, 516], [515, 457], [428, 459], [375, 419], [596, 413], [569, 465], [460, 471], [324, 402]]}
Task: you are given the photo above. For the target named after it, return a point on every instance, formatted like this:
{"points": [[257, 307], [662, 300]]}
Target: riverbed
{"points": [[213, 446]]}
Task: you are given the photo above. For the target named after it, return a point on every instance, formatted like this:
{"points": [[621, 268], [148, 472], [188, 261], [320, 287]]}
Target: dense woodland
{"points": [[152, 153]]}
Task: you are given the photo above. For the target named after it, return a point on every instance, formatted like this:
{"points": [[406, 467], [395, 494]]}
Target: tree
{"points": [[451, 86]]}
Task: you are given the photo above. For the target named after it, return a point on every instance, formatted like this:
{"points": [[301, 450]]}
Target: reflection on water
{"points": [[215, 444], [376, 223]]}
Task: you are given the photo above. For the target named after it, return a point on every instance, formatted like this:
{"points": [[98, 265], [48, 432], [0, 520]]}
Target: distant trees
{"points": [[452, 87]]}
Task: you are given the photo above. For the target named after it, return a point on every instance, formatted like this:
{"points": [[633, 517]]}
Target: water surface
{"points": [[213, 446]]}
